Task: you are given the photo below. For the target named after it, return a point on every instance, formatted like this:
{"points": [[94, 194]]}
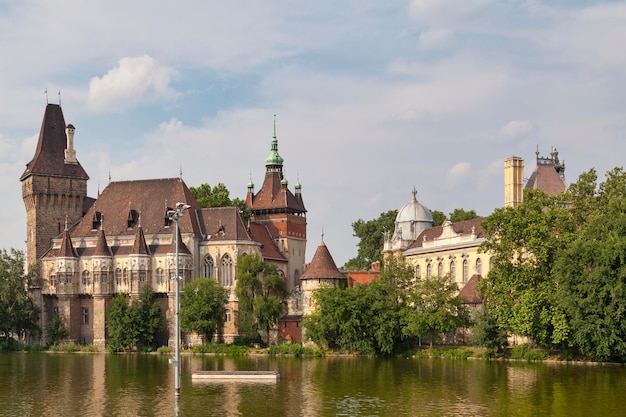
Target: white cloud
{"points": [[444, 10], [518, 128], [434, 38], [132, 81]]}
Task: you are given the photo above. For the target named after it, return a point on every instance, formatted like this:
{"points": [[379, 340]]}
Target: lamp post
{"points": [[175, 215]]}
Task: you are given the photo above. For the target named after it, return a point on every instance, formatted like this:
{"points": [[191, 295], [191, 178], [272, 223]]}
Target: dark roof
{"points": [[122, 203], [269, 250], [275, 196], [102, 248], [547, 179], [139, 245], [469, 294], [322, 266], [463, 227], [49, 157], [67, 249], [223, 223]]}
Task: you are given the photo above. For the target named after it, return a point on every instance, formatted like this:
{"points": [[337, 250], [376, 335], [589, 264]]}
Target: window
{"points": [[452, 271], [133, 276], [418, 272], [53, 280], [160, 277], [226, 271], [86, 278], [96, 277], [143, 275], [226, 316], [440, 270], [208, 267], [118, 276], [125, 276], [85, 315], [479, 267], [465, 270], [429, 271], [104, 276]]}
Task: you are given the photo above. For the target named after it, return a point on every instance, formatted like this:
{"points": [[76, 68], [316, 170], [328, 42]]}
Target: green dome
{"points": [[274, 158]]}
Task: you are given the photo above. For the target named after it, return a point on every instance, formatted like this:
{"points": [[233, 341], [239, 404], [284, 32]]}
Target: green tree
{"points": [[219, 196], [371, 239], [261, 292], [363, 319], [55, 330], [591, 271], [438, 217], [524, 243], [18, 313], [202, 307], [459, 215], [433, 308]]}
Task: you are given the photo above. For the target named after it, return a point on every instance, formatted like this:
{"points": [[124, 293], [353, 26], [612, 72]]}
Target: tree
{"points": [[438, 217], [371, 239], [591, 271], [524, 243], [433, 308], [202, 307], [458, 215], [261, 292], [219, 196], [18, 312], [55, 330], [134, 325]]}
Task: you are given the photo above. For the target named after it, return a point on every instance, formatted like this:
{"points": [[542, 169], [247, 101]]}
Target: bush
{"points": [[524, 352], [8, 344], [221, 349], [295, 349], [164, 350]]}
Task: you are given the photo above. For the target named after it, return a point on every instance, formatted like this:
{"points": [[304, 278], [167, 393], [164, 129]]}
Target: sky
{"points": [[371, 98]]}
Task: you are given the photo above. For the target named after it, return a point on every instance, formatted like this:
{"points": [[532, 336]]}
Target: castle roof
{"points": [[49, 157], [549, 175], [466, 227], [469, 293], [269, 249], [322, 265]]}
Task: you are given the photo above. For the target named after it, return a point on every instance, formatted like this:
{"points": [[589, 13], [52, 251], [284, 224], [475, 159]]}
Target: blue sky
{"points": [[371, 97]]}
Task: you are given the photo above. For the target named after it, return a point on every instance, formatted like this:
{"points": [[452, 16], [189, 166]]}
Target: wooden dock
{"points": [[250, 376]]}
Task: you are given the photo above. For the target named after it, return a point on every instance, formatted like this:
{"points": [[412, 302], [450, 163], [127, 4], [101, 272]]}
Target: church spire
{"points": [[274, 160]]}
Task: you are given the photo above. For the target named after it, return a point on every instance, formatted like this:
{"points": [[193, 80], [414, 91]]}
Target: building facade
{"points": [[87, 250]]}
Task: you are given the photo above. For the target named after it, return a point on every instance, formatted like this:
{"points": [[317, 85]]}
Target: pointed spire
{"points": [[139, 246], [102, 247], [67, 250], [414, 193], [274, 158], [322, 266]]}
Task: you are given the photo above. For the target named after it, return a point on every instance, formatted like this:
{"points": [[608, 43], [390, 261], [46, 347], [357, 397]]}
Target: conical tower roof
{"points": [[322, 265], [67, 250], [139, 246], [102, 247]]}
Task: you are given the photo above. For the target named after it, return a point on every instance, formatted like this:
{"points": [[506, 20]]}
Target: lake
{"points": [[40, 384]]}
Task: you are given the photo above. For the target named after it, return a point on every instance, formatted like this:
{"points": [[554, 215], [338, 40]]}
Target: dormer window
{"points": [[166, 219], [96, 221], [133, 216]]}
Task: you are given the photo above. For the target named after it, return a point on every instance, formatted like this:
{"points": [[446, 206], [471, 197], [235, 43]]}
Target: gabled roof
{"points": [[223, 223], [149, 199], [269, 250], [322, 266], [49, 157], [469, 294], [462, 228]]}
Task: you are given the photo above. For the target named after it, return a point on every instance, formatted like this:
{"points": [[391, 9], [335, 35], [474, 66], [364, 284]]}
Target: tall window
{"points": [[118, 276], [226, 271], [208, 267], [160, 276], [86, 278], [429, 271], [479, 267], [452, 271], [440, 270], [465, 270], [85, 315], [418, 272], [104, 275], [125, 276]]}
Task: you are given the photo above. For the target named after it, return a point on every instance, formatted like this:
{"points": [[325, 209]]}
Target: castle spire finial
{"points": [[46, 94], [414, 193], [59, 97], [66, 217], [274, 126]]}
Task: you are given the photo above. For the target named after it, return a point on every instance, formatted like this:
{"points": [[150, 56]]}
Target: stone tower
{"points": [[282, 212], [513, 181], [54, 185]]}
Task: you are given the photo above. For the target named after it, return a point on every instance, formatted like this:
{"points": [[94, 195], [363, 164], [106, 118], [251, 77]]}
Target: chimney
{"points": [[513, 181], [70, 153]]}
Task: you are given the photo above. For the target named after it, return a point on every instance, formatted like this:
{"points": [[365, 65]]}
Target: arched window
{"points": [[429, 271], [226, 271], [208, 267], [465, 270], [86, 278], [418, 272], [440, 270], [479, 267], [125, 276], [118, 276], [452, 271], [160, 276], [104, 276]]}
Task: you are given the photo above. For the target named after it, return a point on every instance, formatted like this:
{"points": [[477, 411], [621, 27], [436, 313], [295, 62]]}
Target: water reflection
{"points": [[143, 385]]}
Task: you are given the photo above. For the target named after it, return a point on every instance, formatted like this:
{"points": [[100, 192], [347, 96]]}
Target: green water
{"points": [[143, 385]]}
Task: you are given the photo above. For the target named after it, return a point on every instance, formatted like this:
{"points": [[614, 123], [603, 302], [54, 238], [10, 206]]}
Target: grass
{"points": [[221, 349], [72, 347]]}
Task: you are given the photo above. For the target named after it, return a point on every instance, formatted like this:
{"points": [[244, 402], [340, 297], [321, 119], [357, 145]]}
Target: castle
{"points": [[87, 250]]}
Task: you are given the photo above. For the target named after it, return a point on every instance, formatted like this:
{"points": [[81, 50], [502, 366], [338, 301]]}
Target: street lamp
{"points": [[175, 215]]}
